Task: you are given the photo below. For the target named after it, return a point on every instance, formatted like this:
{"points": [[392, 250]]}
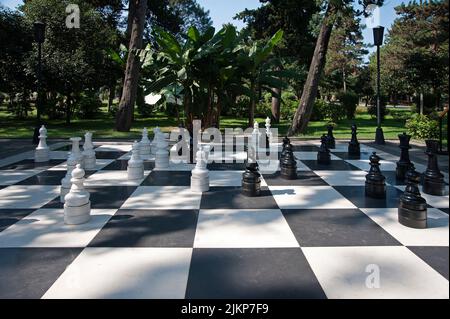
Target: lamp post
{"points": [[378, 33], [39, 37]]}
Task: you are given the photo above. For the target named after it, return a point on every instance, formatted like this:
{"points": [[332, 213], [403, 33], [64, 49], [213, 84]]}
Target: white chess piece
{"points": [[42, 152], [77, 207], [135, 167], [89, 159], [145, 145], [76, 152], [200, 174], [255, 136], [65, 182], [153, 146], [162, 152]]}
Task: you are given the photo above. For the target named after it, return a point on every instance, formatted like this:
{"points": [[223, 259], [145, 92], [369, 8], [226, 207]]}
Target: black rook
{"points": [[412, 209], [433, 180]]}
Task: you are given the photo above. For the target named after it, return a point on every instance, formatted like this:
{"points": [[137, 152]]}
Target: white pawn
{"points": [[135, 167], [162, 152], [77, 207], [200, 174], [145, 145], [156, 131], [268, 131], [65, 182], [76, 152], [89, 159], [42, 152]]}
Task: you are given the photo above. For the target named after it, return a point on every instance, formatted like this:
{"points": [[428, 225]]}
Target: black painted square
{"points": [[9, 217], [30, 164], [336, 227], [304, 178], [335, 165], [226, 166], [148, 228], [109, 155], [232, 198], [168, 178], [27, 273], [45, 178], [263, 273], [436, 257], [356, 194], [121, 165]]}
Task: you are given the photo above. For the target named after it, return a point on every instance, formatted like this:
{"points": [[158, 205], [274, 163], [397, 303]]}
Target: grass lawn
{"points": [[102, 127]]}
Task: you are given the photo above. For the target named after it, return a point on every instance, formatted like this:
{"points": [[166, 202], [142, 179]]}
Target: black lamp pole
{"points": [[378, 33], [39, 37]]}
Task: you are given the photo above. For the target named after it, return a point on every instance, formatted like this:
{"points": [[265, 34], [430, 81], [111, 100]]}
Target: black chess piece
{"points": [[289, 164], [323, 156], [354, 150], [433, 180], [286, 142], [251, 180], [412, 209], [404, 164], [331, 142], [375, 181]]}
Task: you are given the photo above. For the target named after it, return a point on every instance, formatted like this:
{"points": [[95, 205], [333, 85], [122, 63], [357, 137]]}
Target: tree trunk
{"points": [[112, 93], [126, 106], [276, 106], [344, 80], [304, 110]]}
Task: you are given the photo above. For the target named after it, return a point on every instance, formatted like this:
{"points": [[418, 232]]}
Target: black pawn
{"points": [[375, 181], [354, 150], [404, 164], [331, 142], [251, 180], [412, 209], [323, 156], [286, 142], [289, 164], [433, 180]]}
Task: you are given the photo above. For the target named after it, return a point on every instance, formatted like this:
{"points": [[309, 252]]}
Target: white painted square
{"points": [[435, 235], [296, 197], [364, 164], [225, 178], [113, 178], [99, 164], [27, 196], [125, 273], [435, 201], [222, 228], [46, 228], [10, 177], [163, 197], [114, 148], [312, 156], [345, 272], [343, 178]]}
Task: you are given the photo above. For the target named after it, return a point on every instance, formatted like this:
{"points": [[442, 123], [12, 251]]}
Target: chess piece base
{"points": [[433, 187], [401, 170], [77, 215], [289, 173], [354, 151], [89, 163], [135, 173], [64, 191], [199, 185], [375, 190], [162, 161], [324, 160], [42, 155], [251, 189], [411, 217], [379, 136]]}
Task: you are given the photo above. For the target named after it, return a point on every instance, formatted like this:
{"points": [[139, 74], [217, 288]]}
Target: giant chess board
{"points": [[317, 236]]}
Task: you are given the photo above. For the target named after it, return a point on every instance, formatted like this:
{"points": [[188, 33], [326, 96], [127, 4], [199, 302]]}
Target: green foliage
{"points": [[372, 108], [289, 104], [319, 112], [89, 105], [430, 102], [349, 101], [422, 127]]}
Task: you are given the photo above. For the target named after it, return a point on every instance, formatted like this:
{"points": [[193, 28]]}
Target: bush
{"points": [[319, 112], [289, 105], [429, 103], [89, 105], [372, 108], [349, 101], [422, 127], [334, 111]]}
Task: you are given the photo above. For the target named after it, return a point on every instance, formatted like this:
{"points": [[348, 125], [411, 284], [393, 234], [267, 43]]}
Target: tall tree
{"points": [[137, 11], [333, 9]]}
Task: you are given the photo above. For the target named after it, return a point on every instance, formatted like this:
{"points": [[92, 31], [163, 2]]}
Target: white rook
{"points": [[135, 167], [77, 207], [42, 152], [162, 152], [89, 159]]}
